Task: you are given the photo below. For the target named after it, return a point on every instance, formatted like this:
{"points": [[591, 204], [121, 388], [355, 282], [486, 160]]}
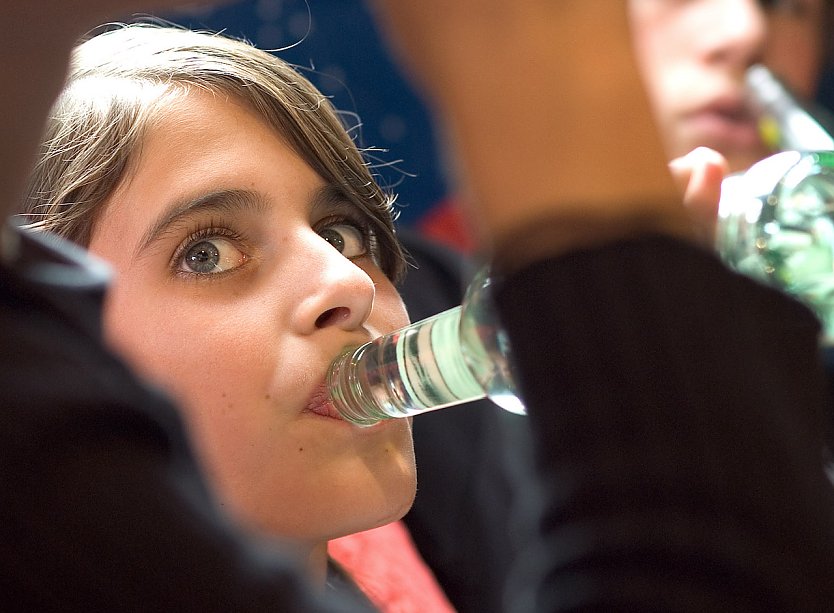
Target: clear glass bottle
{"points": [[785, 123], [456, 356]]}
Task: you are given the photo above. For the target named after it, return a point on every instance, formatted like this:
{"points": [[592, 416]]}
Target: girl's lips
{"points": [[728, 121], [320, 404], [718, 127]]}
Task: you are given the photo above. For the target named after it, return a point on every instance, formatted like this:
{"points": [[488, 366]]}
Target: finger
{"points": [[699, 175]]}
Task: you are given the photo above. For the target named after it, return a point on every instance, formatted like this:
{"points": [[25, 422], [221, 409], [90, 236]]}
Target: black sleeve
{"points": [[678, 411]]}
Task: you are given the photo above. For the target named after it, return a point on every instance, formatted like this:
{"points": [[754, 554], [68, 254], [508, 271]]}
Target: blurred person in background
{"points": [[694, 56]]}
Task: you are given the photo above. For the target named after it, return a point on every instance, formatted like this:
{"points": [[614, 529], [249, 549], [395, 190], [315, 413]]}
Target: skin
{"points": [[244, 346], [694, 53]]}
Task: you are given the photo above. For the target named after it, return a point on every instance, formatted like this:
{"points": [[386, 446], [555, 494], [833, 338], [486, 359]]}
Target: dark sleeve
{"points": [[103, 506], [678, 412]]}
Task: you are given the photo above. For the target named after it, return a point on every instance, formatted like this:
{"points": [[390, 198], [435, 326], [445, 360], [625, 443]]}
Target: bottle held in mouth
{"points": [[451, 358], [785, 123]]}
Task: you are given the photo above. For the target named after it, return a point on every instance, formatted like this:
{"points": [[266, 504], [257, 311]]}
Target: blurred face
{"points": [[240, 276], [694, 54]]}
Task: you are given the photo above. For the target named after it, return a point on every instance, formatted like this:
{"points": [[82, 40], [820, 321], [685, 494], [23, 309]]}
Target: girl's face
{"points": [[694, 54], [240, 276]]}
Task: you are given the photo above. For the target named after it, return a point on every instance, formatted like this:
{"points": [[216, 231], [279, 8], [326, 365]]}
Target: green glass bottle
{"points": [[776, 224]]}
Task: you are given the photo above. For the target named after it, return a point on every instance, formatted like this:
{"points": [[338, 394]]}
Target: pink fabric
{"points": [[385, 564]]}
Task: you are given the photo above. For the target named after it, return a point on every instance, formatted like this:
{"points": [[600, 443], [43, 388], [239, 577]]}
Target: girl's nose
{"points": [[735, 33], [336, 291]]}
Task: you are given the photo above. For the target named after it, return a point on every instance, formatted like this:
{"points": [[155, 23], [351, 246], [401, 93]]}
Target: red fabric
{"points": [[446, 223], [385, 564]]}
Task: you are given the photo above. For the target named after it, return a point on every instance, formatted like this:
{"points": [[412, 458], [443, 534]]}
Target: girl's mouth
{"points": [[320, 404]]}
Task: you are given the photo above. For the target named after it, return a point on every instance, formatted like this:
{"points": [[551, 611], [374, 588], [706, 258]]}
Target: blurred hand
{"points": [[471, 43], [544, 111]]}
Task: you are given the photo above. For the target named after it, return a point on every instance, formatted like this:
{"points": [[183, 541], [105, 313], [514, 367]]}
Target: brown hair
{"points": [[120, 80]]}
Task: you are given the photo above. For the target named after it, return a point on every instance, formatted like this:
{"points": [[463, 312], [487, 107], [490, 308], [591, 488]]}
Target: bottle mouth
{"points": [[785, 123], [345, 393]]}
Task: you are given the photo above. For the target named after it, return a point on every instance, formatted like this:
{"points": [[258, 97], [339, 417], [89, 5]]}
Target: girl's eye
{"points": [[348, 239], [211, 256]]}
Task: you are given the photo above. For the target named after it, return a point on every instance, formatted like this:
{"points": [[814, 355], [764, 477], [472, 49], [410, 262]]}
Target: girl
{"points": [[251, 245]]}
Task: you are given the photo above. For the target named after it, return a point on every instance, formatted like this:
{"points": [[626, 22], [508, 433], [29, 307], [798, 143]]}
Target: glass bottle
{"points": [[454, 357], [785, 123], [775, 221], [776, 224]]}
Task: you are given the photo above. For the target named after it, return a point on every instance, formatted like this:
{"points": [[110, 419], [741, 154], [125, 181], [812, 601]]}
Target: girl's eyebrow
{"points": [[329, 197], [221, 201], [232, 201]]}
